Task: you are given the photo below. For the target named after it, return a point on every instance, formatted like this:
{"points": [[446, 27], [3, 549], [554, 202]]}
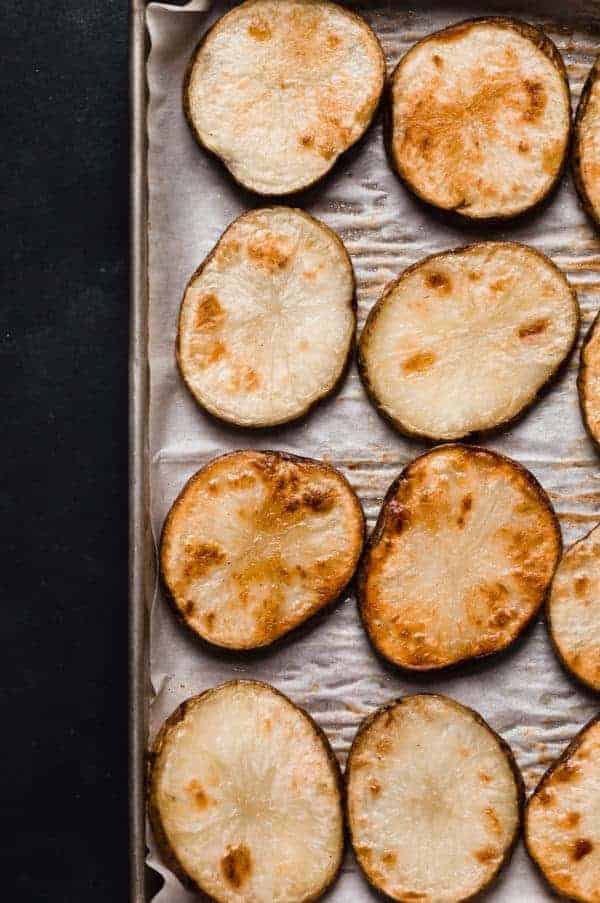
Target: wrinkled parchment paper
{"points": [[330, 669]]}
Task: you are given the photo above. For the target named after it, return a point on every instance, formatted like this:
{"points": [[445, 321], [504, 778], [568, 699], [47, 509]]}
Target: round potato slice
{"points": [[434, 800], [574, 609], [588, 381], [256, 543], [460, 560], [245, 797], [480, 118], [586, 144], [464, 341], [562, 826], [267, 322], [278, 89]]}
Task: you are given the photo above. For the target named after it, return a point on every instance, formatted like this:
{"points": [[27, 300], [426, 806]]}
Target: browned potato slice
{"points": [[465, 340], [574, 609], [586, 144], [480, 118], [278, 89], [434, 800], [245, 797], [460, 560], [562, 819], [588, 381], [267, 322], [256, 543]]}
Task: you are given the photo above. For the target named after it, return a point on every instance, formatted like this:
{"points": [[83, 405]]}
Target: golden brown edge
{"points": [[363, 369], [566, 754], [380, 526], [547, 46], [322, 610], [351, 344], [365, 725], [581, 377], [548, 610], [166, 851], [580, 185], [306, 186]]}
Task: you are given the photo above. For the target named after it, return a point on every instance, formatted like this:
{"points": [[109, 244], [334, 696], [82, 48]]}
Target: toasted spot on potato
{"points": [[258, 542], [237, 866], [418, 362], [437, 280], [574, 609], [474, 110], [562, 832], [508, 320], [535, 328], [259, 29], [259, 342], [261, 819], [470, 565], [428, 792], [200, 798], [209, 312], [270, 70]]}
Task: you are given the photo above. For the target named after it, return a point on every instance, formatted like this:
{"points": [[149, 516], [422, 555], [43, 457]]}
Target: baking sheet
{"points": [[330, 669]]}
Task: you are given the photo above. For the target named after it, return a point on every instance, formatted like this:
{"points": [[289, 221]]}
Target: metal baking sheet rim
{"points": [[140, 567], [138, 471]]}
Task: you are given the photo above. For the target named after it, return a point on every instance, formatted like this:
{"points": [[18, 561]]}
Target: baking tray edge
{"points": [[138, 477]]}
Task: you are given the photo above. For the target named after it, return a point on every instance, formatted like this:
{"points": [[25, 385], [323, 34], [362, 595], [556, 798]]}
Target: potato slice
{"points": [[434, 800], [586, 144], [460, 560], [267, 322], [245, 797], [588, 381], [574, 609], [562, 824], [256, 543], [480, 118], [278, 89], [465, 340]]}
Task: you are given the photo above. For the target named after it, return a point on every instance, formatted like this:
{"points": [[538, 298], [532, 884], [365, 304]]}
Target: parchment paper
{"points": [[330, 669]]}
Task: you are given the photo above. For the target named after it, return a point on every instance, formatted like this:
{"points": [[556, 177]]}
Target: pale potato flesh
{"points": [[258, 542], [247, 796], [267, 322], [280, 88], [574, 609], [480, 120], [562, 821], [589, 381], [464, 340], [433, 802], [461, 559], [588, 145]]}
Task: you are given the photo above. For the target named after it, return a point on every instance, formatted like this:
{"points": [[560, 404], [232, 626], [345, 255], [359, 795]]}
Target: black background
{"points": [[64, 331]]}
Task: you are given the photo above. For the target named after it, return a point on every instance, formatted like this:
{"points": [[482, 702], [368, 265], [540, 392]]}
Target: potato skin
{"points": [[549, 49], [166, 851], [380, 526], [363, 370], [365, 725], [571, 748], [351, 348], [586, 203], [298, 191], [581, 377], [179, 615]]}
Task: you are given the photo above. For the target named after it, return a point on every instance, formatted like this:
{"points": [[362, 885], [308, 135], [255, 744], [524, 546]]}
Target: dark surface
{"points": [[64, 332]]}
